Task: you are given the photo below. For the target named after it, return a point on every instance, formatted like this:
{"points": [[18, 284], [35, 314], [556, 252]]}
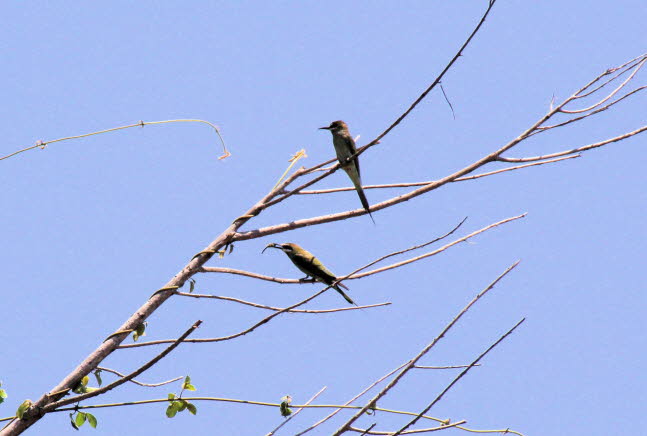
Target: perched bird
{"points": [[345, 148], [310, 265]]}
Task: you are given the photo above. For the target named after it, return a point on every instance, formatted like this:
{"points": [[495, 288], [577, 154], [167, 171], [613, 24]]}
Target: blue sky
{"points": [[92, 227]]}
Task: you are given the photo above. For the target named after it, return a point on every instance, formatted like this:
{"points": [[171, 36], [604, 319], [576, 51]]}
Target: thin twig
{"points": [[627, 66], [460, 179], [216, 269], [444, 367], [418, 431], [575, 150], [149, 385], [279, 309], [611, 94], [43, 144], [439, 250]]}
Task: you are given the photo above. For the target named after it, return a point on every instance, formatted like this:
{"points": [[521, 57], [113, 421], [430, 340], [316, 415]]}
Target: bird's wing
{"points": [[352, 150], [310, 265]]}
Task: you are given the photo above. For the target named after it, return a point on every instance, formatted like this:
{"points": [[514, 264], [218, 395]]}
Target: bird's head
{"points": [[336, 126], [287, 248]]}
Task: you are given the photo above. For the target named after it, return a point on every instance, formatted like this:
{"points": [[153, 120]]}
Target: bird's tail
{"points": [[357, 182], [343, 294]]}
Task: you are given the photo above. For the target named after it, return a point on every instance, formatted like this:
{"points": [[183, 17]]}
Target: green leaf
{"points": [[97, 375], [24, 406], [191, 408], [80, 419], [92, 420], [74, 426], [85, 380], [3, 395], [171, 396], [171, 411], [140, 331], [187, 384], [191, 285], [182, 405]]}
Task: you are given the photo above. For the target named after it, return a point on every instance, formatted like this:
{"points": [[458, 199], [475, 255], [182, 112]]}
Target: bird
{"points": [[310, 265], [345, 148]]}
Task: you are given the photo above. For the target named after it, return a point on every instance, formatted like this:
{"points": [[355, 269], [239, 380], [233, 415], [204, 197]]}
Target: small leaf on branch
{"points": [[92, 420], [24, 406], [80, 419], [171, 410]]}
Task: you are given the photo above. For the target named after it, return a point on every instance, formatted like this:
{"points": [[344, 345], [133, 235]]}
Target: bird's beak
{"points": [[272, 245], [324, 128]]}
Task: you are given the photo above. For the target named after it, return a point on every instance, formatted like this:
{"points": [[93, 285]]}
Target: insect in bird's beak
{"points": [[272, 245]]}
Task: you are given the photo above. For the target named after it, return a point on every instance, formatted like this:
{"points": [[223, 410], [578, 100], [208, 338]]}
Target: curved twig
{"points": [[148, 385]]}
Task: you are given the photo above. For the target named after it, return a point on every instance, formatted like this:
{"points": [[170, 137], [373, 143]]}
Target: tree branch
{"points": [[373, 401], [458, 377]]}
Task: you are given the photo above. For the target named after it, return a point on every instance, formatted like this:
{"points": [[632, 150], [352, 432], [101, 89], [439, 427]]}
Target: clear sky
{"points": [[90, 228]]}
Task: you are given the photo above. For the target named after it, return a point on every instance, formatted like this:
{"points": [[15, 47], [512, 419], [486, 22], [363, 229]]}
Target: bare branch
{"points": [[149, 385], [445, 367], [418, 431], [597, 111], [436, 81], [42, 144], [280, 309], [373, 401], [439, 250], [575, 150], [611, 94], [460, 179], [627, 66], [214, 269]]}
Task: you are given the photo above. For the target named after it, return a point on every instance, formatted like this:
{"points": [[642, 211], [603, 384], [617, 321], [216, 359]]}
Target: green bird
{"points": [[310, 266], [345, 148]]}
